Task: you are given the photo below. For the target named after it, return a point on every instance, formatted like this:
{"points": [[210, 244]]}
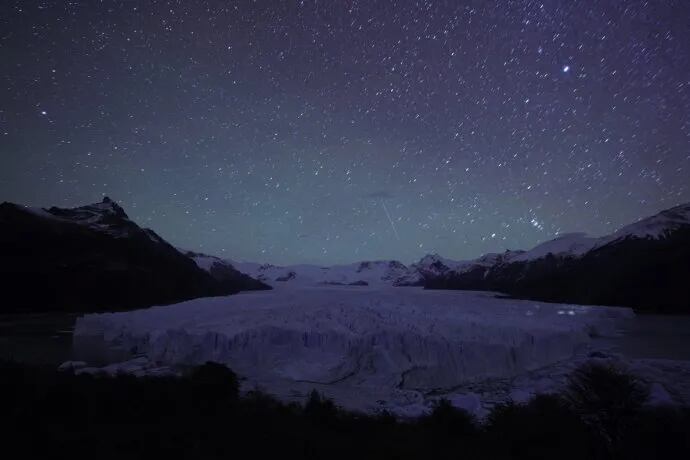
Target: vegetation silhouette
{"points": [[202, 415]]}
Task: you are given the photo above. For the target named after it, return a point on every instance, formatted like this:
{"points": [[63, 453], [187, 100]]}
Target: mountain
{"points": [[645, 265], [94, 258], [224, 271], [367, 273]]}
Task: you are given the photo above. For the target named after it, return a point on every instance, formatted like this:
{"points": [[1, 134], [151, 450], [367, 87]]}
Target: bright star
{"points": [[566, 68]]}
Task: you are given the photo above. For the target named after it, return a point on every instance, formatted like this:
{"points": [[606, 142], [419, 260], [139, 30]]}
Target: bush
{"points": [[212, 374], [543, 428], [662, 432], [52, 414], [319, 408], [445, 419], [606, 398]]}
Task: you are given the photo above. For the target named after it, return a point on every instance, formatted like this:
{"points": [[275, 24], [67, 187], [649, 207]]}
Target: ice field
{"points": [[369, 340]]}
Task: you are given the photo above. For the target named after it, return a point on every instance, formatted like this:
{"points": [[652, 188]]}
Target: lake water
{"points": [[654, 337], [42, 338]]}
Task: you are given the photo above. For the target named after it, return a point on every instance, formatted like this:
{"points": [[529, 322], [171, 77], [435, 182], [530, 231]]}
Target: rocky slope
{"points": [[223, 271], [94, 258]]}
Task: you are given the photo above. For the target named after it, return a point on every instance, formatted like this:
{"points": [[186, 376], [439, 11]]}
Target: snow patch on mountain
{"points": [[203, 261], [566, 245], [435, 265], [654, 227], [391, 272], [104, 217]]}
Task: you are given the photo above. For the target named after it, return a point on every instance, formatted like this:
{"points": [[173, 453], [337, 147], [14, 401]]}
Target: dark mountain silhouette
{"points": [[94, 258], [223, 271], [645, 265]]}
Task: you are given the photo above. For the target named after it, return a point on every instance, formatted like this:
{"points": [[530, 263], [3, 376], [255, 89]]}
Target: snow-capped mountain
{"points": [[366, 273], [76, 255], [565, 245], [521, 273], [644, 265], [105, 217], [223, 271], [656, 227], [92, 258], [433, 265]]}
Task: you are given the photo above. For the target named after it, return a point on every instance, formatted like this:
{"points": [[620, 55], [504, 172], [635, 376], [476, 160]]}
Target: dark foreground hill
{"points": [[94, 258], [601, 415]]}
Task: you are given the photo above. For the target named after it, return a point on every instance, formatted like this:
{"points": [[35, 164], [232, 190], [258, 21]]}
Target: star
{"points": [[419, 105]]}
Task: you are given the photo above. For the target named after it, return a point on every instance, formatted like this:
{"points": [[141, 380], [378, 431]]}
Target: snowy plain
{"points": [[368, 348]]}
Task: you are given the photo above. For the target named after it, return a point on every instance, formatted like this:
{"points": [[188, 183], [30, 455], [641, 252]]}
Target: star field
{"points": [[314, 131]]}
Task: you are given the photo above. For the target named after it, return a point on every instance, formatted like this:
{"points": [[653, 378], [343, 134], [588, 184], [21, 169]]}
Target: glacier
{"points": [[374, 340]]}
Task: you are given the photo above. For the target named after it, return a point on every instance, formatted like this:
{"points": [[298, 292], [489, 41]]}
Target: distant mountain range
{"points": [[94, 258], [645, 265]]}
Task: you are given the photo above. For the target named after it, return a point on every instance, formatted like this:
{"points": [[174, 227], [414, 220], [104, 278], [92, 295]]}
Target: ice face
{"points": [[406, 338]]}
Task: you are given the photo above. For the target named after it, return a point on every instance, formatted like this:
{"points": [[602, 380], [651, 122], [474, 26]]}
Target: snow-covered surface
{"points": [[367, 347], [394, 273], [434, 265], [352, 333], [105, 217], [570, 244], [654, 227], [566, 245], [372, 273], [203, 261]]}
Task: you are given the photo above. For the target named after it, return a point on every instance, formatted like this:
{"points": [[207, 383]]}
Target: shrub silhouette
{"points": [[449, 432], [449, 420], [662, 432], [319, 408], [211, 385], [545, 427], [606, 398], [54, 414]]}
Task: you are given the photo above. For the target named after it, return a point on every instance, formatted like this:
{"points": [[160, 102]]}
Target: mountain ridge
{"points": [[553, 270], [644, 265], [94, 258]]}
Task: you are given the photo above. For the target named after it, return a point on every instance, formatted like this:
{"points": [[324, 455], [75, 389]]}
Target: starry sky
{"points": [[334, 131]]}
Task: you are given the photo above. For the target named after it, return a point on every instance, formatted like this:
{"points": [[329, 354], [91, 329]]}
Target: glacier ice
{"points": [[387, 337]]}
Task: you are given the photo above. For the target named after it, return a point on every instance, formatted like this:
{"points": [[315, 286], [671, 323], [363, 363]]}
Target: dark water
{"points": [[41, 338], [653, 337]]}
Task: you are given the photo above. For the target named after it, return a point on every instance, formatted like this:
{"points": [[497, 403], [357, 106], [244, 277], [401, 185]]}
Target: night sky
{"points": [[335, 131]]}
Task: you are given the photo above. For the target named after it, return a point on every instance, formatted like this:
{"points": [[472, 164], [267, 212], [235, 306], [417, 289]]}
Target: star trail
{"points": [[335, 131]]}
